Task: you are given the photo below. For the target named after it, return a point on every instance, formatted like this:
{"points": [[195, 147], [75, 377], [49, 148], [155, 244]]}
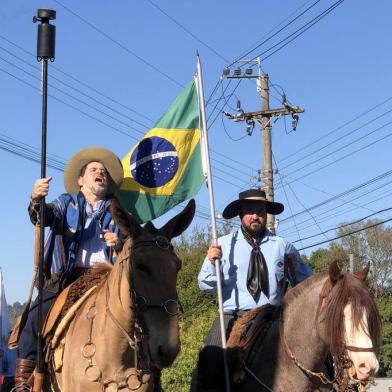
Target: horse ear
{"points": [[334, 272], [180, 222], [362, 275], [123, 220], [149, 226]]}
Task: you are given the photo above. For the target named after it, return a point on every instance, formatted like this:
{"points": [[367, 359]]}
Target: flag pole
{"points": [[207, 174], [45, 52]]}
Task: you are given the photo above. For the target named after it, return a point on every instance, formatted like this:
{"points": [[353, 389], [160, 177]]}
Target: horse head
{"points": [[153, 275], [353, 326]]}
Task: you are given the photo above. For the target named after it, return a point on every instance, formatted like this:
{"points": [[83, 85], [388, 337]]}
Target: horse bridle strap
{"points": [[360, 349], [142, 305], [132, 342], [160, 241]]}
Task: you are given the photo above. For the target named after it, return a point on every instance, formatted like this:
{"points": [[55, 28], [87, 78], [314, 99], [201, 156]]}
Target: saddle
{"points": [[64, 310], [247, 338]]}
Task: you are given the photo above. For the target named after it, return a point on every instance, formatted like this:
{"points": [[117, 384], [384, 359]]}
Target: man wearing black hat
{"points": [[252, 269]]}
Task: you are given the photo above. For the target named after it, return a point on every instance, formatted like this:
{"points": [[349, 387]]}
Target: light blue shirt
{"points": [[234, 269]]}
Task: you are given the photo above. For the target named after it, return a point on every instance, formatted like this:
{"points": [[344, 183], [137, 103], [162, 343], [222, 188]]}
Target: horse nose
{"points": [[366, 369]]}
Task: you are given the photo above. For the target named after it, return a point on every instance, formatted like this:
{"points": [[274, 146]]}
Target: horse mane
{"points": [[350, 290]]}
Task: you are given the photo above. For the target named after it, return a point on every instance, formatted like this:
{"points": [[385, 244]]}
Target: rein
{"points": [[172, 307]]}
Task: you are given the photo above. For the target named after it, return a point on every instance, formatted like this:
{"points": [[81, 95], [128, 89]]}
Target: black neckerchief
{"points": [[257, 278]]}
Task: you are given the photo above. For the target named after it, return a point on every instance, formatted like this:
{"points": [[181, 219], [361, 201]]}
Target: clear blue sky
{"points": [[118, 67]]}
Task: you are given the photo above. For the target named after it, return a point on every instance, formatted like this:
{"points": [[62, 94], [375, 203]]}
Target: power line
{"points": [[347, 234], [299, 201], [303, 30], [328, 215], [288, 201], [187, 31], [344, 157], [70, 106], [28, 152], [273, 35], [67, 85], [344, 193], [336, 129], [73, 97], [123, 47], [339, 139], [78, 81], [345, 225]]}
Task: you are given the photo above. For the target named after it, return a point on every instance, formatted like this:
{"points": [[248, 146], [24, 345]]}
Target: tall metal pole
{"points": [[45, 51], [207, 168], [267, 146]]}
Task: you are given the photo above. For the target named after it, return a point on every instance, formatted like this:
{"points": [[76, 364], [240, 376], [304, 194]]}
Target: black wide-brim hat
{"points": [[255, 195]]}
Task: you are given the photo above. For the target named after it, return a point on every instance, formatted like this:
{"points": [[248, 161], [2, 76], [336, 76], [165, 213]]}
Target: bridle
{"points": [[341, 382], [142, 361], [171, 306]]}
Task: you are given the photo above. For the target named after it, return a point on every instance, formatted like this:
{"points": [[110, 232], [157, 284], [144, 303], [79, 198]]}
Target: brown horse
{"points": [[128, 326], [328, 314]]}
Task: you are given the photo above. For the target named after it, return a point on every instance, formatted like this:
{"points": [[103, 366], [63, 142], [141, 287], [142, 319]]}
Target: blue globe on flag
{"points": [[154, 162]]}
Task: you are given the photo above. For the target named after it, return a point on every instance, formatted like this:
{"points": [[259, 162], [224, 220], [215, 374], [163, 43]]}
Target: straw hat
{"points": [[256, 195], [93, 154]]}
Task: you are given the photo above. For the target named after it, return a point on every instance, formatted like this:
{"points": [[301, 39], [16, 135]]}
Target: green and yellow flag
{"points": [[165, 167]]}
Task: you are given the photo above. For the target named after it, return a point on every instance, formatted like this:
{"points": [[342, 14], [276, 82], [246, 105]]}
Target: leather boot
{"points": [[24, 375]]}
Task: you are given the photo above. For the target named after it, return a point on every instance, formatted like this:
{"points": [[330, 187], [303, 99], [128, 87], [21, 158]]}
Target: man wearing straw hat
{"points": [[81, 234], [252, 270]]}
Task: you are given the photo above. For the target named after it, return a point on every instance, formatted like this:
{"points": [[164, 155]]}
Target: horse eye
{"points": [[143, 268]]}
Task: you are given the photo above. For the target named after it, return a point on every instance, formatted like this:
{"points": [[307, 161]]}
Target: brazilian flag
{"points": [[165, 167]]}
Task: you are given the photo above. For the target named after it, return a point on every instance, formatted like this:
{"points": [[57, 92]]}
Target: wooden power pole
{"points": [[268, 178]]}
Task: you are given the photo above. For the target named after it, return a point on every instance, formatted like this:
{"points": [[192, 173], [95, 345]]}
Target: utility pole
{"points": [[268, 179], [264, 118]]}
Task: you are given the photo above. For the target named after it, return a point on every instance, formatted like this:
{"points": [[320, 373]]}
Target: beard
{"points": [[255, 229], [98, 190]]}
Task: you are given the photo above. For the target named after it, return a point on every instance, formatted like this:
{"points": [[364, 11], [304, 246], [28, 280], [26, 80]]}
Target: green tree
{"points": [[385, 356], [14, 311], [200, 309], [373, 245], [320, 259]]}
